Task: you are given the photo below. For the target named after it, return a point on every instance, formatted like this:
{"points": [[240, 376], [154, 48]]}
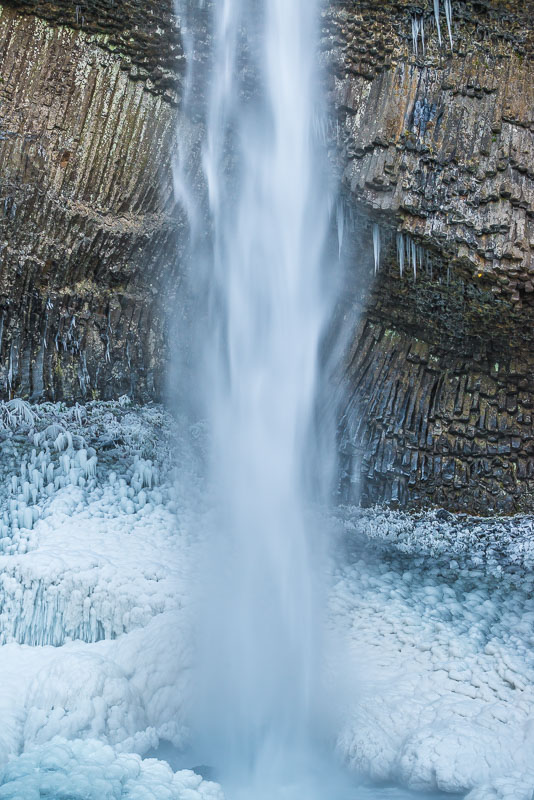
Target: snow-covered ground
{"points": [[432, 619]]}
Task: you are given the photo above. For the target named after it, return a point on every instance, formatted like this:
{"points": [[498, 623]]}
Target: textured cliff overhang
{"points": [[437, 158], [87, 224]]}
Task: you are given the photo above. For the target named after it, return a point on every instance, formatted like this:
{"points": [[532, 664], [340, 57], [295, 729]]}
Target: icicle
{"points": [[61, 441], [448, 14], [340, 219], [147, 474], [26, 491], [78, 413], [90, 467], [376, 246], [436, 17], [400, 252], [27, 518], [418, 30], [10, 368], [422, 30], [108, 338], [37, 479], [414, 260]]}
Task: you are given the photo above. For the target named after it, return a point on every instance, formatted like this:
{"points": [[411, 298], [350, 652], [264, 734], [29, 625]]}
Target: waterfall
{"points": [[267, 209]]}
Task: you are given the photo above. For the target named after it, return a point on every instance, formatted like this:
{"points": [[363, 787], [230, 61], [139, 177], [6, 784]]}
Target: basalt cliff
{"points": [[432, 134]]}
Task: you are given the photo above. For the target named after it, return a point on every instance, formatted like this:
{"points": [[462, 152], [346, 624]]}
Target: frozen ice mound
{"points": [[89, 770], [513, 787], [83, 695], [440, 666], [76, 489]]}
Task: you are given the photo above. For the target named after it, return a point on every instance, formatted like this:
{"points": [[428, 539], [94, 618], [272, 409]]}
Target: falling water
{"points": [[268, 211], [261, 210]]}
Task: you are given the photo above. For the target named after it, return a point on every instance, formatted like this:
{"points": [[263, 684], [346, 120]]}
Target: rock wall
{"points": [[434, 148], [87, 224], [437, 162]]}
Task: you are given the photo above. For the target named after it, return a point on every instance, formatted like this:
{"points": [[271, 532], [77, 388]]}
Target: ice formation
{"points": [[448, 14], [418, 30], [410, 253], [433, 613], [436, 18], [376, 246], [439, 632], [91, 593], [90, 770]]}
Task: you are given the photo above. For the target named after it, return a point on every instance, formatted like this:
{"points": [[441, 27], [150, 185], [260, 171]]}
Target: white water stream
{"points": [[268, 215], [258, 707]]}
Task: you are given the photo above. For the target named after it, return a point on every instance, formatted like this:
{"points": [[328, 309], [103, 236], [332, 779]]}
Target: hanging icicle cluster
{"points": [[448, 15], [409, 253], [412, 257], [418, 30], [418, 26]]}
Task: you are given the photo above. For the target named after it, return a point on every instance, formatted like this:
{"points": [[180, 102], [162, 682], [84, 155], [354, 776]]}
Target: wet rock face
{"points": [[435, 152], [87, 224], [438, 146]]}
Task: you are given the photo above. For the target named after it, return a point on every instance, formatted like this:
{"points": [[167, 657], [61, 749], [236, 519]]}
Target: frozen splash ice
{"points": [[267, 208]]}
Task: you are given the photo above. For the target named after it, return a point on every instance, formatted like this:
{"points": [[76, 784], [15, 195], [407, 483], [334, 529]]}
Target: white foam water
{"points": [[258, 238], [268, 212]]}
